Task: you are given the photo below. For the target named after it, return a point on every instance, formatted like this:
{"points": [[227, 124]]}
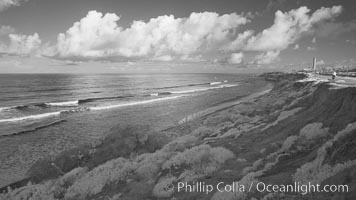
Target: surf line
{"points": [[135, 103], [39, 116]]}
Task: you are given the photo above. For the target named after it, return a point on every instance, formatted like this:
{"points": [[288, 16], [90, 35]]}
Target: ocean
{"points": [[44, 114]]}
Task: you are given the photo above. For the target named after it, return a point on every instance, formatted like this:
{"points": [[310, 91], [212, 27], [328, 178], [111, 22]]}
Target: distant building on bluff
{"points": [[310, 69], [314, 64]]}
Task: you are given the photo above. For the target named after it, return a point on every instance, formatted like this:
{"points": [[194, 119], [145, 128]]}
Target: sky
{"points": [[168, 36]]}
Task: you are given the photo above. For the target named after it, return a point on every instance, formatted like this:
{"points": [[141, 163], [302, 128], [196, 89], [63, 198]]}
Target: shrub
{"points": [[202, 132], [155, 141], [235, 132], [270, 165], [313, 131], [241, 160], [120, 141], [164, 188], [70, 177], [42, 170], [316, 171], [200, 154], [218, 119], [189, 175], [288, 143], [254, 166], [345, 131], [31, 192], [180, 143], [202, 160], [95, 180], [150, 164], [246, 181], [282, 116], [263, 150], [52, 189]]}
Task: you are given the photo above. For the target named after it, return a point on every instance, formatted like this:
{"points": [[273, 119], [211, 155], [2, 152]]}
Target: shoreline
{"points": [[225, 105]]}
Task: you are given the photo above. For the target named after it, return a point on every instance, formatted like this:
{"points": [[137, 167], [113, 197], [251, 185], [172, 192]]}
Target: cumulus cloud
{"points": [[5, 4], [289, 27], [240, 41], [267, 57], [236, 58], [5, 30], [22, 44], [98, 35]]}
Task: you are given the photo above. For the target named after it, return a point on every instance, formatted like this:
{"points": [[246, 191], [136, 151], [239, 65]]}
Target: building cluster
{"points": [[341, 70]]}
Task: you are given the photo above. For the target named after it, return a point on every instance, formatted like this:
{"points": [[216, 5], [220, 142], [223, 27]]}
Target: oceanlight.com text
{"points": [[300, 188]]}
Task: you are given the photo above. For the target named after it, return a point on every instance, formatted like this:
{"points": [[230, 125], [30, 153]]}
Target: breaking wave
{"points": [[134, 103], [31, 117], [215, 83], [195, 90], [65, 104], [81, 101], [204, 89]]}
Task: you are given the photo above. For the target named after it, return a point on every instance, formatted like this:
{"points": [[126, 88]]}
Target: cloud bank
{"points": [[167, 38], [236, 58], [5, 30], [266, 58], [98, 35], [289, 27], [22, 44]]}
